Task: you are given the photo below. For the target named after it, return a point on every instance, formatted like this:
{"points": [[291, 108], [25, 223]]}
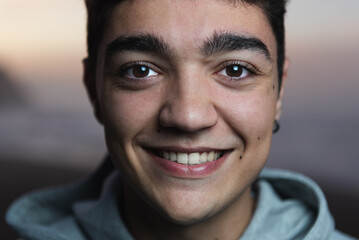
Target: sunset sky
{"points": [[41, 39]]}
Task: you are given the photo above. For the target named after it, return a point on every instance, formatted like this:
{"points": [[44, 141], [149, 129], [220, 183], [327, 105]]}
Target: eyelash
{"points": [[252, 70], [122, 71]]}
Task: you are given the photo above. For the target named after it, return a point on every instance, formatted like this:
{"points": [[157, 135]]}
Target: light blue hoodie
{"points": [[290, 206]]}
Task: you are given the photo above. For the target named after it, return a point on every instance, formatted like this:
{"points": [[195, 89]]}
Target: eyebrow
{"points": [[140, 43], [225, 42], [219, 42]]}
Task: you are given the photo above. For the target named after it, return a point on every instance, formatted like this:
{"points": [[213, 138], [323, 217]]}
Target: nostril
{"points": [[189, 116]]}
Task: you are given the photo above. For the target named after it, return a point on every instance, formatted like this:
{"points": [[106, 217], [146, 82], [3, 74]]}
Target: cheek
{"points": [[127, 114], [251, 115]]}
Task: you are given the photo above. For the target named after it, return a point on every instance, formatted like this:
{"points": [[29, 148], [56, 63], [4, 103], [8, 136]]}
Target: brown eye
{"points": [[139, 71], [234, 71]]}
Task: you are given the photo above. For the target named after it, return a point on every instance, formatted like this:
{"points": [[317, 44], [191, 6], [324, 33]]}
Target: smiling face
{"points": [[187, 93]]}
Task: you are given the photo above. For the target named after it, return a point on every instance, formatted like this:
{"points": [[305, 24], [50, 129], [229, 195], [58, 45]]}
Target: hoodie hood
{"points": [[289, 206]]}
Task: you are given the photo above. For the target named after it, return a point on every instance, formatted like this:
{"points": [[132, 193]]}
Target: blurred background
{"points": [[48, 134]]}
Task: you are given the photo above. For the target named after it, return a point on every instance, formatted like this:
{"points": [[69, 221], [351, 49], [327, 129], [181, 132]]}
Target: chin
{"points": [[186, 219], [187, 214]]}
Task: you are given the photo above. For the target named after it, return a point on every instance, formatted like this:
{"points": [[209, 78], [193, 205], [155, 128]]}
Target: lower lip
{"points": [[189, 171]]}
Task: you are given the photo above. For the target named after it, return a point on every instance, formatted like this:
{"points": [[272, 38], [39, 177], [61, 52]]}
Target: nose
{"points": [[189, 107]]}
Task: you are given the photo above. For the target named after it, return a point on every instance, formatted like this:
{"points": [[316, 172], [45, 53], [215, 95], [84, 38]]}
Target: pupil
{"points": [[140, 71], [234, 71]]}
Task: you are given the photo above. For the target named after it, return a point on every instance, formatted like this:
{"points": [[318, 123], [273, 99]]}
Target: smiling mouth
{"points": [[193, 158]]}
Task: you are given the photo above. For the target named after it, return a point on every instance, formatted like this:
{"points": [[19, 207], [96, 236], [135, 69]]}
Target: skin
{"points": [[187, 102]]}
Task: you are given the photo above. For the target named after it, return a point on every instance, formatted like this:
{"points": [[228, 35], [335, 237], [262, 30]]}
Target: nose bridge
{"points": [[189, 106]]}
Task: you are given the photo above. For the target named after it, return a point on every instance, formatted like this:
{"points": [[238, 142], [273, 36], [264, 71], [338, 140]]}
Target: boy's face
{"points": [[177, 79]]}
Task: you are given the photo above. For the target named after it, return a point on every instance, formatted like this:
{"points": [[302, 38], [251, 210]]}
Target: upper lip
{"points": [[184, 149]]}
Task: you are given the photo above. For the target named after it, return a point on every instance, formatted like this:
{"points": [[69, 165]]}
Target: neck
{"points": [[143, 222]]}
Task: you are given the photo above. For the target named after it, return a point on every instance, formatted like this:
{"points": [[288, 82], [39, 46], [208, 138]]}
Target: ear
{"points": [[281, 91], [89, 80]]}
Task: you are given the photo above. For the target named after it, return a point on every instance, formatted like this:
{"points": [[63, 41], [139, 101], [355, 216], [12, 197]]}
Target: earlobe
{"points": [[90, 85], [281, 92]]}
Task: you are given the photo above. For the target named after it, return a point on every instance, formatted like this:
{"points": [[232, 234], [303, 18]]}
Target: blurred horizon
{"points": [[43, 42]]}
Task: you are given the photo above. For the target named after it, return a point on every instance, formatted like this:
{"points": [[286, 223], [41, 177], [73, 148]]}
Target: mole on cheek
{"points": [[241, 157], [259, 138], [273, 87]]}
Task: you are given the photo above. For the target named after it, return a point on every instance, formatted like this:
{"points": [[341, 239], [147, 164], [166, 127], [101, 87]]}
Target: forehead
{"points": [[186, 23]]}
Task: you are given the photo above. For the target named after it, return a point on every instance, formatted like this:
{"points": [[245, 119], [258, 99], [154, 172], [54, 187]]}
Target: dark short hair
{"points": [[99, 11]]}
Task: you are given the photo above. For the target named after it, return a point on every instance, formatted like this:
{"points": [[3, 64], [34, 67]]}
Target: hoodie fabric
{"points": [[289, 206]]}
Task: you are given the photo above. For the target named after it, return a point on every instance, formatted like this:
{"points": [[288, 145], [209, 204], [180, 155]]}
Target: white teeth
{"points": [[182, 158], [166, 155], [191, 158], [210, 156], [173, 156], [203, 157]]}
